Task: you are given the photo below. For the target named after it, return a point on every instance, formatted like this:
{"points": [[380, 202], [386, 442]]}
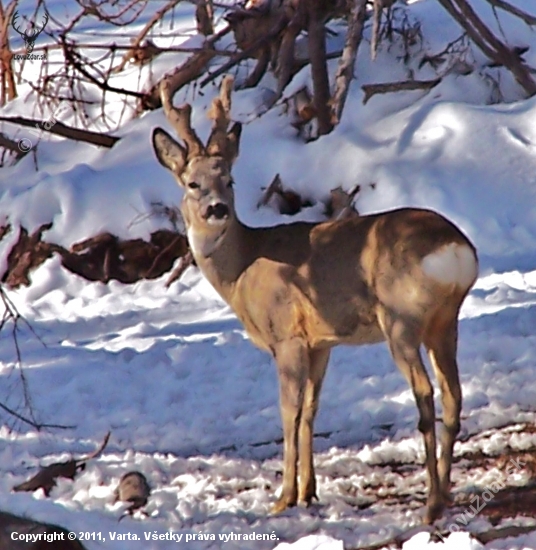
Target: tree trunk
{"points": [[7, 79], [319, 69]]}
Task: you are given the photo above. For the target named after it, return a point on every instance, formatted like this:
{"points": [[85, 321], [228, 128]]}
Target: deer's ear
{"points": [[233, 141], [168, 151]]}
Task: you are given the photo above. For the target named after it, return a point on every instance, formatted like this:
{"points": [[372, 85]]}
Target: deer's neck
{"points": [[223, 256]]}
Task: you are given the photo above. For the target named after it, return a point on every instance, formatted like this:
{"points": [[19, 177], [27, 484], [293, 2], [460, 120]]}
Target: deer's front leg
{"points": [[318, 361], [292, 360]]}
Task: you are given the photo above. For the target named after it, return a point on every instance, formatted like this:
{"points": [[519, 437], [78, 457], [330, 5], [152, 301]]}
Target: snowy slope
{"points": [[189, 400]]}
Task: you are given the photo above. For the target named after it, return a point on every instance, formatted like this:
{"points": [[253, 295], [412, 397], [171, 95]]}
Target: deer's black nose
{"points": [[218, 211]]}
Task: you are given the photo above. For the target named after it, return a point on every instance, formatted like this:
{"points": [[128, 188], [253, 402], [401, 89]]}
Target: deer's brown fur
{"points": [[303, 288]]}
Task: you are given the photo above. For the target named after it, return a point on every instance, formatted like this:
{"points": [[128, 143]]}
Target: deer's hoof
{"points": [[307, 500], [433, 512], [448, 499], [282, 504], [307, 493]]}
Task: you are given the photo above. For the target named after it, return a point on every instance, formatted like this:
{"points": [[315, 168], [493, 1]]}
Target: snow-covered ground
{"points": [[190, 401]]}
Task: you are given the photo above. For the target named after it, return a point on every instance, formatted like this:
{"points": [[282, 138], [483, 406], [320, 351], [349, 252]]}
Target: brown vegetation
{"points": [[103, 257]]}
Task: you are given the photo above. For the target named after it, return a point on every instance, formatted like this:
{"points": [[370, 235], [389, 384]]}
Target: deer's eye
{"points": [[231, 183], [193, 185]]}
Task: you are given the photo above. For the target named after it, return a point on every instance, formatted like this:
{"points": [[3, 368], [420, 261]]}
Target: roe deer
{"points": [[302, 288]]}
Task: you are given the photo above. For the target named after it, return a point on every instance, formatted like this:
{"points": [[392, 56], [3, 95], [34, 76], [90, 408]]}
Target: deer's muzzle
{"points": [[217, 212]]}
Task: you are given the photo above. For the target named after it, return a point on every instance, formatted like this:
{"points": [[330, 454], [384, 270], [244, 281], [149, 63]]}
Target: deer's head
{"points": [[204, 172], [29, 37]]}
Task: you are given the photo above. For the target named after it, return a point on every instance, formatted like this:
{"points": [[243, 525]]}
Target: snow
{"points": [[189, 400]]}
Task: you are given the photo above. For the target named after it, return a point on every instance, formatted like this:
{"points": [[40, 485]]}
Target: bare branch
{"points": [[118, 47], [514, 10], [37, 425], [340, 204], [276, 187], [376, 20], [98, 451], [280, 25], [94, 8], [490, 45], [404, 86], [71, 56], [11, 314], [193, 68], [10, 145], [260, 69], [345, 70], [285, 201], [60, 129], [149, 25], [186, 261]]}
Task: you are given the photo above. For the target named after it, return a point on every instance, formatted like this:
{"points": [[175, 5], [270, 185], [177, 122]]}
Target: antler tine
{"points": [[225, 93], [180, 119], [13, 21], [220, 115], [43, 26]]}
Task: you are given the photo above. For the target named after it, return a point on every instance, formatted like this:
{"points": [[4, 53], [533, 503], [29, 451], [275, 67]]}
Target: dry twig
{"points": [[514, 10], [46, 477], [12, 315], [403, 86], [149, 25], [490, 45]]}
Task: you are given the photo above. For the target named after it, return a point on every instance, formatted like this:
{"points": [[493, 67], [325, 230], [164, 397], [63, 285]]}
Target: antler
{"points": [[13, 19], [35, 33], [180, 119], [220, 114]]}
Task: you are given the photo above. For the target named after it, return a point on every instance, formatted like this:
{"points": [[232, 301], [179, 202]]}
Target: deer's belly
{"points": [[354, 333], [364, 334]]}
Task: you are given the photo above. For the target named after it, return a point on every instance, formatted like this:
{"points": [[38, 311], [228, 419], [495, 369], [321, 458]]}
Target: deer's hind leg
{"points": [[441, 341], [403, 335], [318, 361]]}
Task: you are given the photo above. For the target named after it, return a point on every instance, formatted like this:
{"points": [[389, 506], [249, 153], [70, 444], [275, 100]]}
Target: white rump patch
{"points": [[453, 263]]}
